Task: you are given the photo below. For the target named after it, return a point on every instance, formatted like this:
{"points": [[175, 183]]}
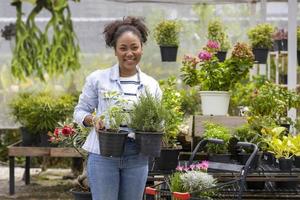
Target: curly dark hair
{"points": [[115, 29]]}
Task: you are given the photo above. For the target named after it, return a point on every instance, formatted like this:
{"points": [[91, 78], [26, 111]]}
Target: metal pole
{"points": [[292, 51]]}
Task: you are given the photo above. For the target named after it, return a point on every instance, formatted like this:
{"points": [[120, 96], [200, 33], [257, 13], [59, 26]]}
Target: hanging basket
{"points": [[168, 53], [260, 55], [149, 143], [214, 102], [111, 143], [221, 55]]}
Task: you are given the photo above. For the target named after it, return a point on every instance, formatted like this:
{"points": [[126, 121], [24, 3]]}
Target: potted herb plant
{"points": [[147, 120], [217, 152], [216, 78], [111, 139], [166, 34], [216, 32], [39, 113], [260, 38], [172, 100]]}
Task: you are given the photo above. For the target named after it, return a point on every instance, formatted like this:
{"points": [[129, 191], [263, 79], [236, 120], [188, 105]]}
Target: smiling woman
{"points": [[127, 174]]}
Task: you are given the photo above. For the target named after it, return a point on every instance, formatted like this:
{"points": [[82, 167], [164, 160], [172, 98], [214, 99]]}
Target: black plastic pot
{"points": [[297, 161], [111, 143], [243, 157], [29, 139], [285, 164], [168, 159], [168, 53], [149, 143], [269, 158], [44, 140], [79, 195], [221, 55], [260, 55]]}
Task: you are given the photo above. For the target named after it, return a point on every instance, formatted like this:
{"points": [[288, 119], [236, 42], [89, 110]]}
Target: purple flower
{"points": [[213, 44], [204, 55]]}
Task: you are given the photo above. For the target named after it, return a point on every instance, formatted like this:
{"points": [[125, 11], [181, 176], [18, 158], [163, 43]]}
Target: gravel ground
{"points": [[47, 185]]}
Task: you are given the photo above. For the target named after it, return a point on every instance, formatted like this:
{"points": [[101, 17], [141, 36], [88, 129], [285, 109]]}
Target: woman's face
{"points": [[129, 51]]}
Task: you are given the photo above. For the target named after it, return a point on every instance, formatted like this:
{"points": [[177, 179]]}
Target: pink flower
{"points": [[186, 169], [213, 45], [204, 164], [204, 55], [192, 166], [56, 132], [179, 168]]}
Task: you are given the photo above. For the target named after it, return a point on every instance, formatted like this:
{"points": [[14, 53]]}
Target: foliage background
{"points": [[89, 18]]}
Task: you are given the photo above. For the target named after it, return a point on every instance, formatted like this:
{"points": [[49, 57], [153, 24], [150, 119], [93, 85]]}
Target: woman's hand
{"points": [[95, 121], [98, 123]]}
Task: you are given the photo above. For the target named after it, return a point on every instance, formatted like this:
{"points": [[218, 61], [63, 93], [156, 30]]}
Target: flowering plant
{"points": [[69, 135], [192, 179], [210, 74], [73, 135]]}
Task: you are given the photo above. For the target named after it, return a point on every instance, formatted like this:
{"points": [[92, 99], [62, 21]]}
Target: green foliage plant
{"points": [[172, 100], [216, 32], [244, 133], [115, 115], [148, 114], [212, 130], [212, 75], [296, 145], [166, 33], [268, 134], [190, 104], [274, 101], [282, 148], [54, 50], [260, 36], [41, 112], [241, 94]]}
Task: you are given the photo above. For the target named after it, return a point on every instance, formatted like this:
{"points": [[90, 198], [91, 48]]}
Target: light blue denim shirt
{"points": [[91, 98]]}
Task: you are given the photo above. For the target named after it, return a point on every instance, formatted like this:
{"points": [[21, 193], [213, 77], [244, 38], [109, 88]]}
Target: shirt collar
{"points": [[115, 73]]}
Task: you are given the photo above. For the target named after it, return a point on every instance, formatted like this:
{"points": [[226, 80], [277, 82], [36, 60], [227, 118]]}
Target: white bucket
{"points": [[214, 102]]}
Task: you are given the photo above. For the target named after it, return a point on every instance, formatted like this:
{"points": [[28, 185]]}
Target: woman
{"points": [[112, 178]]}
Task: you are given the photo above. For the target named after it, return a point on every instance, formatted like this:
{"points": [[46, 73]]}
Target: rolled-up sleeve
{"points": [[88, 100]]}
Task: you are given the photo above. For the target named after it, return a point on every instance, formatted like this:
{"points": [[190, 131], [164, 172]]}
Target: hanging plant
{"points": [[38, 52]]}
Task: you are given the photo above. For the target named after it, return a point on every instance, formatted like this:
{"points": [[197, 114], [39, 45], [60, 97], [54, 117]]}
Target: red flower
{"points": [[67, 131], [56, 132]]}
